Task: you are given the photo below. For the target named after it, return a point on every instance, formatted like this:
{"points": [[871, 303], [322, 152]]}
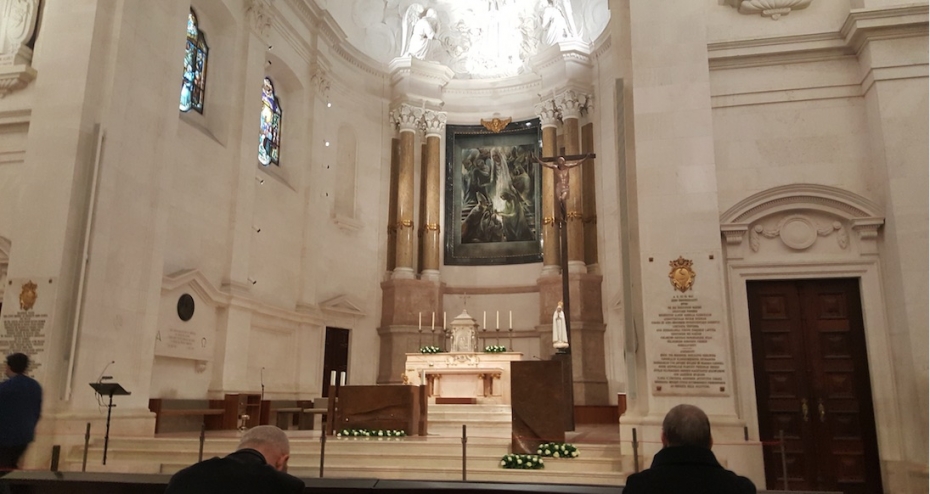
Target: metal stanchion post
{"points": [[464, 456], [56, 455], [86, 445], [203, 437], [635, 453], [322, 451], [784, 464]]}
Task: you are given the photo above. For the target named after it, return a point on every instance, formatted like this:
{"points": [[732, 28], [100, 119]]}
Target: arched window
{"points": [[269, 143], [195, 67]]}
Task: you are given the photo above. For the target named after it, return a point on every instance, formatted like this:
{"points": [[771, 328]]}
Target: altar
{"points": [[462, 372], [483, 376]]}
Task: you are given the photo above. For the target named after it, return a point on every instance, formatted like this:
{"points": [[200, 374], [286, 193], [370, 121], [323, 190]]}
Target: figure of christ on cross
{"points": [[560, 166]]}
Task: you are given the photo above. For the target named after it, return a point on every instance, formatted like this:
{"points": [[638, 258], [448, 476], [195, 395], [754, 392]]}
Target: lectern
{"points": [[111, 390]]}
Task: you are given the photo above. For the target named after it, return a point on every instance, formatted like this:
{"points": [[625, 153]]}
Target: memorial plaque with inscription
{"points": [[28, 304], [688, 350]]}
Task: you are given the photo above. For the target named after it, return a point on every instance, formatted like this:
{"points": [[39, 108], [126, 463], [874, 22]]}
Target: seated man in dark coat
{"points": [[257, 467], [685, 464]]}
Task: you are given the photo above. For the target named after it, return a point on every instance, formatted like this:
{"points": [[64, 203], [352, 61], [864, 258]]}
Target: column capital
{"points": [[406, 117], [573, 104], [547, 112], [434, 122]]}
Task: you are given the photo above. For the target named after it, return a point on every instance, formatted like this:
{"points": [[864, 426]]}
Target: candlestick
{"points": [[419, 321], [484, 320], [342, 378], [511, 320], [497, 326], [432, 323]]}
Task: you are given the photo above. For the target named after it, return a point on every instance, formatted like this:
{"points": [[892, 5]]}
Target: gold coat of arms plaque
{"points": [[681, 275]]}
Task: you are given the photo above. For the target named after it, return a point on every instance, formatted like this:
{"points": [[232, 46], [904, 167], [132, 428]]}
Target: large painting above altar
{"points": [[493, 211]]}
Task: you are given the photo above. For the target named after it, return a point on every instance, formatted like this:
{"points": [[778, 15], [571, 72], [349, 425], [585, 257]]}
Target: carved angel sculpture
{"points": [[419, 28], [558, 22]]}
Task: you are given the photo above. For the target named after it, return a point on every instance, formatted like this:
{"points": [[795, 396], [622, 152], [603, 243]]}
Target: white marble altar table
{"points": [[484, 376]]}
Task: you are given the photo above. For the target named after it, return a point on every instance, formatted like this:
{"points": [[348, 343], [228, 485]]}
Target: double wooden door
{"points": [[812, 383]]}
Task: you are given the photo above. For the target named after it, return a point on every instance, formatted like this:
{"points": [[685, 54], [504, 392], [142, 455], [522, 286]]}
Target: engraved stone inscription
{"points": [[24, 323], [689, 355]]}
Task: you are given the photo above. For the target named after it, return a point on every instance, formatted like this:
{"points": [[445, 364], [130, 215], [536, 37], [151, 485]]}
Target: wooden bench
{"points": [[164, 408], [302, 416]]}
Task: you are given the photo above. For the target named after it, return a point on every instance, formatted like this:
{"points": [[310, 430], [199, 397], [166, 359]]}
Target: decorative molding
{"points": [[863, 216], [433, 122], [489, 290], [406, 118], [547, 113], [798, 232], [572, 104], [860, 26], [768, 8], [342, 305], [15, 77]]}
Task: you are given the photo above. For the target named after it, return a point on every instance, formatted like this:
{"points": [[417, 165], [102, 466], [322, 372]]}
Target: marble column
{"points": [[548, 118], [571, 103], [435, 123], [406, 118]]}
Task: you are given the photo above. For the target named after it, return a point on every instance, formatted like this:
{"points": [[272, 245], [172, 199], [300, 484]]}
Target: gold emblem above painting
{"points": [[493, 210]]}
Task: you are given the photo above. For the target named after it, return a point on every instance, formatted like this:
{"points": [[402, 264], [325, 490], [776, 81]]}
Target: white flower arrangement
{"points": [[524, 462], [371, 433], [495, 349], [430, 349], [557, 450]]}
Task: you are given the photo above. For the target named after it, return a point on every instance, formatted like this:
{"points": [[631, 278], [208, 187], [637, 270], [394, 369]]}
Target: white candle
{"points": [[511, 319], [419, 321], [498, 325], [484, 320], [342, 378], [443, 319], [332, 378], [432, 322]]}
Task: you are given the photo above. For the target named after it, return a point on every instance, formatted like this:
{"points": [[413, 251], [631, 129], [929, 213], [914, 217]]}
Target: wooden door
{"points": [[812, 382], [335, 356]]}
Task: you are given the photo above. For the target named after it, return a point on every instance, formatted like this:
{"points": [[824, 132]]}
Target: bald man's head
{"points": [[271, 442], [686, 425]]}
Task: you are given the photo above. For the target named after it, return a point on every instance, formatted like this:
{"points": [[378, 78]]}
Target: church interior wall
{"points": [[177, 193]]}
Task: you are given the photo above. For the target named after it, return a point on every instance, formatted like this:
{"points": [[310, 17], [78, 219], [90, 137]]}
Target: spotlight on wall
{"points": [[261, 181], [326, 143], [253, 281], [329, 105], [257, 229]]}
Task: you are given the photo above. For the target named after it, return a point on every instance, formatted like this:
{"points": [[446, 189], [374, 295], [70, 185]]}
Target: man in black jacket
{"points": [[685, 464], [258, 466]]}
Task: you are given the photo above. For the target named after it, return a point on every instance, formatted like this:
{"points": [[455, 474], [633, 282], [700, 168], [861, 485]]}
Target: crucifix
{"points": [[560, 166]]}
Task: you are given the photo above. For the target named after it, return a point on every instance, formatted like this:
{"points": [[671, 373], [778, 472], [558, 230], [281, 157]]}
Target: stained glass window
{"points": [[195, 67], [269, 142]]}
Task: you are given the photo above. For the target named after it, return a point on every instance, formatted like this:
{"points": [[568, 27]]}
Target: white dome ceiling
{"points": [[475, 38]]}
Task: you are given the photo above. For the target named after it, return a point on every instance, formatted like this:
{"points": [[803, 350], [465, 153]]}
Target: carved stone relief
{"points": [[17, 24], [798, 232], [259, 17], [768, 8]]}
